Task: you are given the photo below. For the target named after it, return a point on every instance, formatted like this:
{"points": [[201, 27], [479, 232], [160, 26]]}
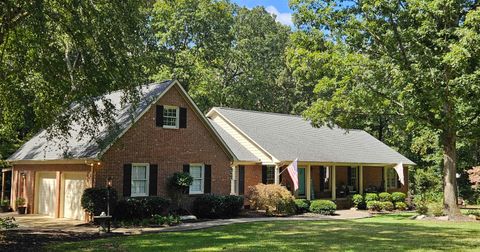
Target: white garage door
{"points": [[74, 184], [47, 193]]}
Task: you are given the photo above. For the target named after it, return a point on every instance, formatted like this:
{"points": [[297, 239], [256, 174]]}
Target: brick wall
{"points": [[168, 148]]}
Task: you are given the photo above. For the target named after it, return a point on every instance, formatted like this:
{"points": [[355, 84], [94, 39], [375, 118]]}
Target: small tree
{"points": [[177, 187]]}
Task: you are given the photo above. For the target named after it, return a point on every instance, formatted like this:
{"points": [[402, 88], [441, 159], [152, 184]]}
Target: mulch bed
{"points": [[31, 240]]}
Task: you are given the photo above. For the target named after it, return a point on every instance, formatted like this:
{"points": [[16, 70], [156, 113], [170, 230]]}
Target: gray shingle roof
{"points": [[77, 146], [287, 137], [240, 152]]}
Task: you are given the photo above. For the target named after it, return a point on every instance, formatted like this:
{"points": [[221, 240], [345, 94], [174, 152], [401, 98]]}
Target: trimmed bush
{"points": [[326, 207], [274, 199], [214, 207], [385, 197], [398, 197], [302, 205], [421, 208], [436, 209], [374, 205], [371, 197], [358, 201], [402, 206], [140, 208], [94, 200], [387, 206]]}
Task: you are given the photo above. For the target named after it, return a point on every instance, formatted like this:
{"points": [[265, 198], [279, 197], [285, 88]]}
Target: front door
{"points": [[301, 181]]}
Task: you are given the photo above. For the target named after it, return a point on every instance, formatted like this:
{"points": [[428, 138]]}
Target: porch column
{"points": [[384, 178], [360, 179], [334, 183], [233, 182], [309, 184], [277, 175], [3, 185]]}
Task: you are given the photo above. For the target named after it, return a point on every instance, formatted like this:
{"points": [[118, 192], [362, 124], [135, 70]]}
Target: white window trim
{"points": [[177, 121], [395, 185], [202, 184], [148, 180]]}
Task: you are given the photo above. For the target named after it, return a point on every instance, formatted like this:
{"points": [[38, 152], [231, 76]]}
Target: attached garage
{"points": [[47, 193], [73, 184]]}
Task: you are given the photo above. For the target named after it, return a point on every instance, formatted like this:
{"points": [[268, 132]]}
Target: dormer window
{"points": [[170, 117]]}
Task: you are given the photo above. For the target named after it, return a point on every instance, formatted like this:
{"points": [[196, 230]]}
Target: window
{"points": [[140, 179], [392, 178], [270, 174], [352, 180], [170, 117], [197, 171]]}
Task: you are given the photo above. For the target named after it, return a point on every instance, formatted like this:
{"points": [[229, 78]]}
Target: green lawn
{"points": [[383, 233]]}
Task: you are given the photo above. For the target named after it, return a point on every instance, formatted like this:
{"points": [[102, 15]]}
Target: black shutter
{"points": [[207, 186], [127, 180], [241, 179], [152, 183], [322, 178], [183, 118], [159, 116], [186, 168], [264, 174]]}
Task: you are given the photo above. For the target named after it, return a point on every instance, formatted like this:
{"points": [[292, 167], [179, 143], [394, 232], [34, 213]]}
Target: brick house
{"points": [[226, 152]]}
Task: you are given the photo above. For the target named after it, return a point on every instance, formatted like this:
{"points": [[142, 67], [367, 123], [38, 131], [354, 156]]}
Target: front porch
{"points": [[339, 182]]}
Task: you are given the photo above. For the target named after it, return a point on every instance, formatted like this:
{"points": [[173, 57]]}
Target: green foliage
{"points": [[473, 212], [374, 205], [387, 206], [435, 209], [274, 199], [94, 200], [180, 181], [213, 207], [7, 223], [421, 208], [165, 220], [4, 203], [140, 208], [358, 201], [303, 205], [384, 196], [402, 206], [398, 197], [20, 202], [371, 197], [325, 207]]}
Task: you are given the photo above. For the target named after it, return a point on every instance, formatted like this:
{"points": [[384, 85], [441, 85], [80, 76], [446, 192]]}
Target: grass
{"points": [[382, 233]]}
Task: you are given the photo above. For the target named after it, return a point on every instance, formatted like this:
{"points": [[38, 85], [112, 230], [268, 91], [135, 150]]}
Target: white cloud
{"points": [[284, 18]]}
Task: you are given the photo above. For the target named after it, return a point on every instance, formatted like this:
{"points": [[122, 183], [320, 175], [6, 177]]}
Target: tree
{"points": [[415, 62], [54, 53], [224, 55]]}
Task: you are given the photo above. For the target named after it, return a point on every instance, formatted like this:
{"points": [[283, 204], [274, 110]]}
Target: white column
{"points": [[360, 179], [277, 175], [334, 183], [233, 183], [308, 183]]}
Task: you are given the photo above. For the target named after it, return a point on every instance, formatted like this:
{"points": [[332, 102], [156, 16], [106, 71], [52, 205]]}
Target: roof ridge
{"points": [[260, 112]]}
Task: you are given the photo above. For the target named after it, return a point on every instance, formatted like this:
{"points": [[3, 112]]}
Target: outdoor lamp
{"points": [[109, 182]]}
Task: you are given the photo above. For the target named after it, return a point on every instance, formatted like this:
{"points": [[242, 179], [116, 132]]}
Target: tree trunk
{"points": [[449, 173]]}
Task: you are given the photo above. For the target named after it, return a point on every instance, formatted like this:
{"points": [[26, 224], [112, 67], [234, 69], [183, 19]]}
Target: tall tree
{"points": [[53, 53], [225, 55], [415, 62]]}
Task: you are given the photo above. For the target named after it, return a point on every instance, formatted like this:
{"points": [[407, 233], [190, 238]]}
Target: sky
{"points": [[277, 7]]}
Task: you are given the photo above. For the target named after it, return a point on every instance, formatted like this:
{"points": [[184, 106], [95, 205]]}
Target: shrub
{"points": [[402, 206], [19, 202], [162, 220], [274, 199], [141, 208], [385, 197], [387, 206], [358, 201], [8, 223], [4, 203], [371, 197], [398, 197], [435, 209], [94, 200], [326, 207], [211, 206], [302, 205], [473, 212], [177, 188], [421, 208], [374, 205]]}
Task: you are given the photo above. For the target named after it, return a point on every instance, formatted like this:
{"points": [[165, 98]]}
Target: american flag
{"points": [[293, 171]]}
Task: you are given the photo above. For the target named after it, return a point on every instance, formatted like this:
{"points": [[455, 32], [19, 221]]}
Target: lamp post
{"points": [[109, 186]]}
